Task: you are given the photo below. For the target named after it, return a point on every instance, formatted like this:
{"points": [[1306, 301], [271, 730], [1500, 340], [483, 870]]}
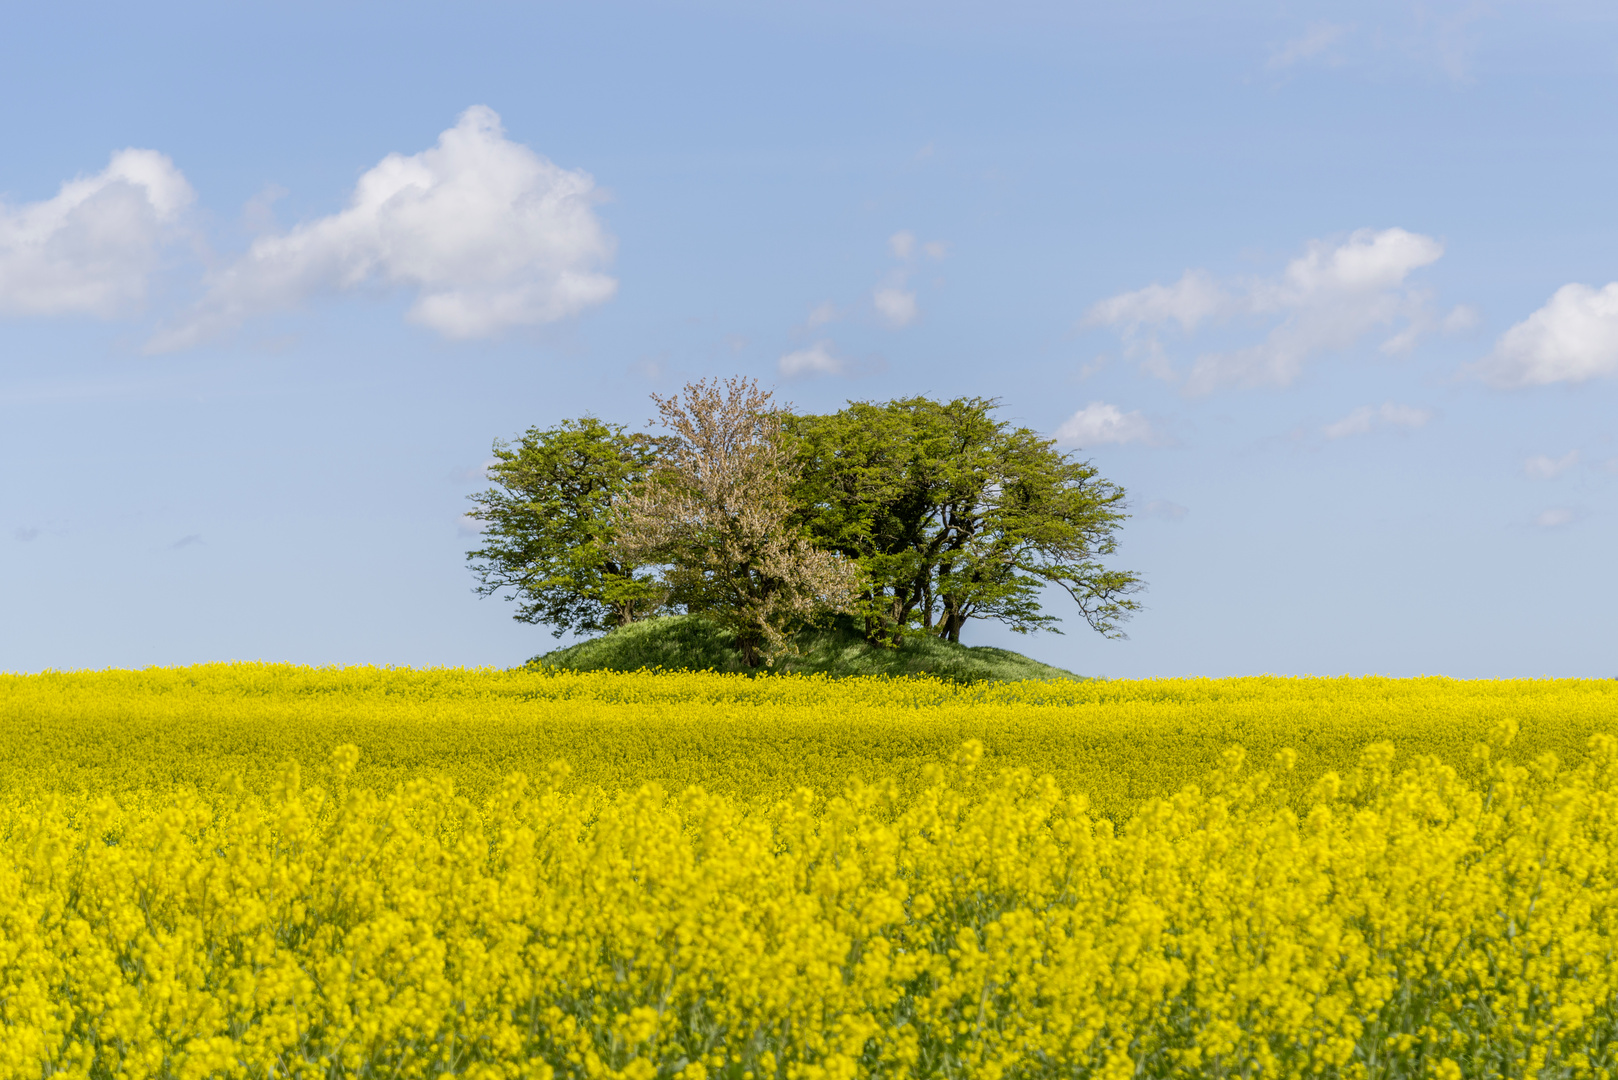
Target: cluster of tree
{"points": [[912, 515]]}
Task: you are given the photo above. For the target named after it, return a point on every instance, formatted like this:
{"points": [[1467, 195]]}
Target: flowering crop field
{"points": [[267, 871]]}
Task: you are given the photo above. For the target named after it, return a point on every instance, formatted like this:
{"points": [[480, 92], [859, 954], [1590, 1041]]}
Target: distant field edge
{"points": [[690, 643]]}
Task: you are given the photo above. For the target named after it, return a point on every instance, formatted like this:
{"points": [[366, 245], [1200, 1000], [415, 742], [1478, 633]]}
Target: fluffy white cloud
{"points": [[894, 303], [92, 247], [1545, 467], [488, 234], [1099, 423], [1193, 299], [1572, 338], [897, 306], [1328, 298], [817, 359], [823, 314], [1366, 417]]}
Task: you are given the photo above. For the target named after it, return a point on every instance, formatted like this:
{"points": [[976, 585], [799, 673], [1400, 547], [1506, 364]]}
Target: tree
{"points": [[953, 515], [548, 536], [715, 510]]}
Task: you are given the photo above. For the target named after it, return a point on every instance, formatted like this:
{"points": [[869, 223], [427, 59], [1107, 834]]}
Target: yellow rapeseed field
{"points": [[118, 732], [502, 874]]}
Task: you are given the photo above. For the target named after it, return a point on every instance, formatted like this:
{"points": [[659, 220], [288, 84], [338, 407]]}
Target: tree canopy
{"points": [[715, 511], [916, 515], [954, 515], [548, 537]]}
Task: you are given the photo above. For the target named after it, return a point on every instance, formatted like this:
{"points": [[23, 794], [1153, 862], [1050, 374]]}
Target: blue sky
{"points": [[1327, 287]]}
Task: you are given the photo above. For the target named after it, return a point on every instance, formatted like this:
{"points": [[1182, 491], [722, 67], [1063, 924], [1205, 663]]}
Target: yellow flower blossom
{"points": [[996, 897]]}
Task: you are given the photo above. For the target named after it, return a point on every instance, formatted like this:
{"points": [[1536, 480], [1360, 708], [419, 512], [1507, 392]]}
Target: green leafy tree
{"points": [[548, 533], [954, 515]]}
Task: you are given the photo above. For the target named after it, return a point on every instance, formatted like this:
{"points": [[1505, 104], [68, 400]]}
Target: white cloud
{"points": [[1316, 41], [1461, 318], [817, 359], [1191, 300], [1545, 467], [1357, 422], [1404, 416], [1099, 423], [893, 302], [1326, 299], [1366, 417], [1572, 338], [823, 314], [485, 232], [467, 525], [1554, 518], [896, 305], [91, 248]]}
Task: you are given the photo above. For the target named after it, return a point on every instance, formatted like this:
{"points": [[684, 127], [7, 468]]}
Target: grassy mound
{"points": [[687, 642]]}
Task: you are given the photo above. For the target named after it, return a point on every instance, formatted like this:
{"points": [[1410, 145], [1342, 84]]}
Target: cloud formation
{"points": [[91, 248], [1574, 337], [1367, 417], [487, 234], [1099, 423], [1326, 299], [1545, 467], [894, 303], [896, 306], [817, 359], [1554, 518]]}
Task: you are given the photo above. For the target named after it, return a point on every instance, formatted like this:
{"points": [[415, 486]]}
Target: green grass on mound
{"points": [[687, 642]]}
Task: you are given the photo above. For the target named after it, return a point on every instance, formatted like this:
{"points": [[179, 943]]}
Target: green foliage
{"points": [[691, 643], [954, 515], [915, 515], [548, 539]]}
